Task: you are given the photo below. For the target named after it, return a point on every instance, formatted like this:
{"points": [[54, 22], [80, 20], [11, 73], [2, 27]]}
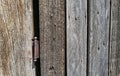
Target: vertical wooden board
{"points": [[76, 37], [16, 32], [52, 37], [114, 55], [99, 16]]}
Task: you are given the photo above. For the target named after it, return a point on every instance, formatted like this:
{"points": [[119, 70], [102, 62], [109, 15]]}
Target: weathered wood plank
{"points": [[114, 55], [99, 16], [52, 37], [16, 32], [76, 37]]}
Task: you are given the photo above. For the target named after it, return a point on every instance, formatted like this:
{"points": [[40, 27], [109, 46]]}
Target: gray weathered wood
{"points": [[15, 38], [114, 55], [99, 16], [76, 37], [52, 37]]}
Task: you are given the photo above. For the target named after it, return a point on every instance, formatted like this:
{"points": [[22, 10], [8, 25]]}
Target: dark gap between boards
{"points": [[36, 31]]}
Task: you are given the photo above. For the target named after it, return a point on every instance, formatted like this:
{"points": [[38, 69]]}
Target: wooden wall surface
{"points": [[16, 32], [77, 37]]}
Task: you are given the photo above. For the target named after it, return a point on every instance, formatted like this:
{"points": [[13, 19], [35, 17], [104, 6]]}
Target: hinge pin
{"points": [[35, 49]]}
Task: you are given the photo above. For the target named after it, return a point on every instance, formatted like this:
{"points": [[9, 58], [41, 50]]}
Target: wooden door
{"points": [[16, 30]]}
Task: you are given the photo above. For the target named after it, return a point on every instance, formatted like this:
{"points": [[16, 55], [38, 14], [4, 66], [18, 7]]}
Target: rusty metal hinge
{"points": [[36, 54]]}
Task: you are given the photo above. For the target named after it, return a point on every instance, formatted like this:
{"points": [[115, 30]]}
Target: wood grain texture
{"points": [[99, 16], [15, 38], [114, 55], [76, 37], [52, 37]]}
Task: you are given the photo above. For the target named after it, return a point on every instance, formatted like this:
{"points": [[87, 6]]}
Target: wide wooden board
{"points": [[16, 30], [52, 37], [114, 53], [99, 17], [76, 37]]}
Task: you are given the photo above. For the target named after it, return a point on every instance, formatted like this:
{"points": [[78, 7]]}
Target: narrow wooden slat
{"points": [[114, 55], [15, 38], [76, 37], [99, 16], [52, 37]]}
